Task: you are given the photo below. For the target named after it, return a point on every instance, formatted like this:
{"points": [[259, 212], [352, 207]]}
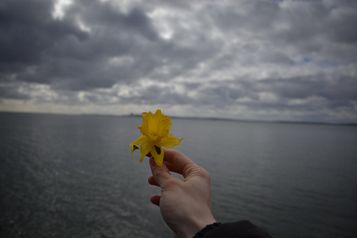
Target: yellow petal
{"points": [[170, 141], [155, 126], [163, 123], [155, 136], [145, 149], [136, 143], [158, 154], [144, 126]]}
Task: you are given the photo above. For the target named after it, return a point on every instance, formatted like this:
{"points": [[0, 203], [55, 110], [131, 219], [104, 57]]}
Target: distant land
{"points": [[253, 121], [189, 118]]}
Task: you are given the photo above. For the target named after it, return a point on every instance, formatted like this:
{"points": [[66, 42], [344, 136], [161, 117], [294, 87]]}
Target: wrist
{"points": [[196, 224]]}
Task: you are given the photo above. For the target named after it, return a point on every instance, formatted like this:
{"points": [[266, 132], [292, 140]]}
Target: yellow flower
{"points": [[155, 130]]}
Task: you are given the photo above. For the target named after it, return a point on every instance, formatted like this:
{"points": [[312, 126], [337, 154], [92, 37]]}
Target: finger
{"points": [[161, 174], [152, 181], [179, 163], [155, 200]]}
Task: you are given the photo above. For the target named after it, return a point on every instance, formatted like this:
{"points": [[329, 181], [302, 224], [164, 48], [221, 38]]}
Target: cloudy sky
{"points": [[245, 59]]}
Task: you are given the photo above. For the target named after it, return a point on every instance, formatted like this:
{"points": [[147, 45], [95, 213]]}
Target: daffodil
{"points": [[155, 136]]}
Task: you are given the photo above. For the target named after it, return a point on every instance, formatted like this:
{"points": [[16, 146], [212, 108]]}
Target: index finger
{"points": [[179, 163]]}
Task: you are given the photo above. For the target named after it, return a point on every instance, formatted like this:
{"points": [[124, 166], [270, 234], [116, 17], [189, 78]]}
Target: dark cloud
{"points": [[12, 92], [28, 30], [116, 46], [42, 49], [335, 91], [284, 56]]}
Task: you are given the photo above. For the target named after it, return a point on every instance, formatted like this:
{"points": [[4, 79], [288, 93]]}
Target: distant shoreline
{"points": [[187, 118]]}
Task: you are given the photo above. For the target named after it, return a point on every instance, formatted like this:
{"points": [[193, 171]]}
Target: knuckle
{"points": [[171, 184], [204, 174]]}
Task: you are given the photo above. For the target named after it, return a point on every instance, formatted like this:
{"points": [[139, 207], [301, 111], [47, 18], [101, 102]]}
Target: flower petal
{"points": [[170, 141], [145, 149], [158, 153], [155, 125], [136, 143], [144, 128], [163, 123]]}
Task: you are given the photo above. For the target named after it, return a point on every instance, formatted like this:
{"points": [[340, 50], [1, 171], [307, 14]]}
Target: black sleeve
{"points": [[240, 229]]}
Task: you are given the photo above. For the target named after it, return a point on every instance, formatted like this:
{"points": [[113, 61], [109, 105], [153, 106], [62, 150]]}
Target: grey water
{"points": [[73, 176]]}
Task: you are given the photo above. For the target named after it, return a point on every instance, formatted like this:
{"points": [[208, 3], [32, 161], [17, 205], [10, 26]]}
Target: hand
{"points": [[185, 204]]}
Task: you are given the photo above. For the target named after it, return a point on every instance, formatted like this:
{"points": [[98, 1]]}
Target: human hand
{"points": [[185, 204]]}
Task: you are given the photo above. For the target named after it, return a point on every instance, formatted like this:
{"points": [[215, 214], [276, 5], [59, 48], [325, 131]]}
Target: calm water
{"points": [[72, 176]]}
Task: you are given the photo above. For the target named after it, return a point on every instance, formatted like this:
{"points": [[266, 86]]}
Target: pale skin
{"points": [[185, 204]]}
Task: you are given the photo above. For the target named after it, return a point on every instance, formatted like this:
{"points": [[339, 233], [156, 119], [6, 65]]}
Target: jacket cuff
{"points": [[206, 229], [242, 229]]}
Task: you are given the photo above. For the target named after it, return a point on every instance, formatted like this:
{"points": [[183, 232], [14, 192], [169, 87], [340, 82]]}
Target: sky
{"points": [[291, 60]]}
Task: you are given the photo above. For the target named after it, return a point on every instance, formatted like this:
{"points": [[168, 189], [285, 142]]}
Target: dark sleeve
{"points": [[240, 229]]}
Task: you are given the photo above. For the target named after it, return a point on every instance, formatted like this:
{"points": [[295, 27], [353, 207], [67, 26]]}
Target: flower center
{"points": [[154, 135]]}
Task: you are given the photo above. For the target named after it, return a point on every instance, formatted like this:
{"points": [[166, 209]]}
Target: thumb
{"points": [[161, 174]]}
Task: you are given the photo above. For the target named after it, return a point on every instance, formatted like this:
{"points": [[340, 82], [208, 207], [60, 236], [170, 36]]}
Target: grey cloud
{"points": [[27, 31], [221, 95], [308, 27], [334, 89], [41, 49], [164, 95], [330, 92], [61, 54], [10, 91], [314, 93], [278, 55]]}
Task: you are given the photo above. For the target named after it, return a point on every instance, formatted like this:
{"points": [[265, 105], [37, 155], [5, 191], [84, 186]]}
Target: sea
{"points": [[73, 176]]}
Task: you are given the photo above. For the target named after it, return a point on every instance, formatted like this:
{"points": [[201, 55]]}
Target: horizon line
{"points": [[192, 118]]}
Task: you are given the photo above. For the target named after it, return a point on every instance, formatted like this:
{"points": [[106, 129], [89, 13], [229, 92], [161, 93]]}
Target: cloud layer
{"points": [[247, 59]]}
